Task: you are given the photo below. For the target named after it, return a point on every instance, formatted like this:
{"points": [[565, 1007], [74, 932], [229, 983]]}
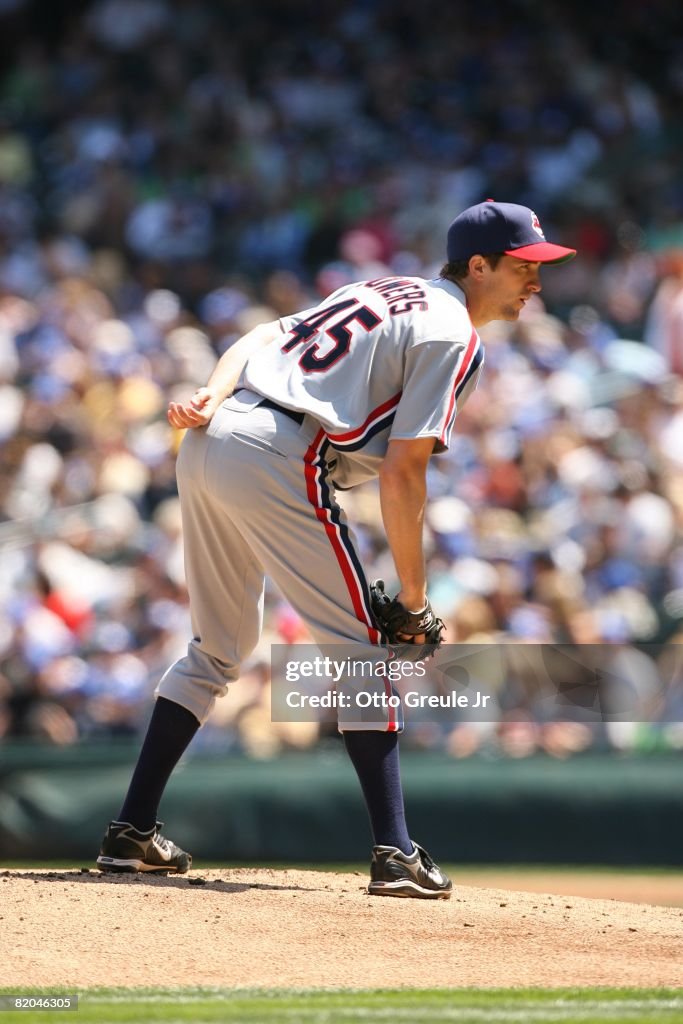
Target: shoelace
{"points": [[427, 861], [162, 842]]}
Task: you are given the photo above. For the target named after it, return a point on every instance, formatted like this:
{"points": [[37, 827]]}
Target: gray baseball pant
{"points": [[256, 499]]}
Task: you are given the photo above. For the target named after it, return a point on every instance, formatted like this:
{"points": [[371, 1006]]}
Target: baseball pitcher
{"points": [[367, 384]]}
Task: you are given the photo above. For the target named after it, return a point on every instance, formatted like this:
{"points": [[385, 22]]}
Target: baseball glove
{"points": [[396, 623]]}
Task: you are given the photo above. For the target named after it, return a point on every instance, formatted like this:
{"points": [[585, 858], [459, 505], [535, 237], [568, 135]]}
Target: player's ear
{"points": [[477, 266]]}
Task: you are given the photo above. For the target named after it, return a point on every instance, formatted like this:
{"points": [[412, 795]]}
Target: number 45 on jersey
{"points": [[311, 360]]}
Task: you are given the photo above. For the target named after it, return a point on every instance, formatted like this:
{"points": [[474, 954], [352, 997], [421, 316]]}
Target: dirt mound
{"points": [[305, 929]]}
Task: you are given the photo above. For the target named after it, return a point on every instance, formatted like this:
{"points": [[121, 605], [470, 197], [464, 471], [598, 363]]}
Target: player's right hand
{"points": [[195, 413]]}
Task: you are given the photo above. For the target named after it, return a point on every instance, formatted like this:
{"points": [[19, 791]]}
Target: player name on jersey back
{"points": [[400, 294]]}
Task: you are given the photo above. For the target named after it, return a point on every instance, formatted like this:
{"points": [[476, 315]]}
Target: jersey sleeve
{"points": [[439, 377]]}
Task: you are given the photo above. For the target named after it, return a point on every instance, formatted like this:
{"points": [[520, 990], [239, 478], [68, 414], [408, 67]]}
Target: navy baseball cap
{"points": [[494, 227]]}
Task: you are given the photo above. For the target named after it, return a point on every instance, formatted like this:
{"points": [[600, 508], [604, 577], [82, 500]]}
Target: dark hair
{"points": [[456, 270]]}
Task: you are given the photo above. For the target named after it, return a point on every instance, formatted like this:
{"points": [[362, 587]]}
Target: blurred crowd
{"points": [[173, 172]]}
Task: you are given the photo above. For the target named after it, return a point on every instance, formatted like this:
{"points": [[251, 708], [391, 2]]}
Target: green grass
{"points": [[463, 1006]]}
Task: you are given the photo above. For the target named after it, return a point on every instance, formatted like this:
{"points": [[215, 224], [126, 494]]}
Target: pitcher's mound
{"points": [[307, 929]]}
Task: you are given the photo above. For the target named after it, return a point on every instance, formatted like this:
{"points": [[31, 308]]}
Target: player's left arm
{"points": [[204, 402], [403, 496]]}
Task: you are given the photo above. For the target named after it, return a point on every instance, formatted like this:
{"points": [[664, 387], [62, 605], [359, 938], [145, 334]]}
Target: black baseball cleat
{"points": [[394, 873], [125, 849]]}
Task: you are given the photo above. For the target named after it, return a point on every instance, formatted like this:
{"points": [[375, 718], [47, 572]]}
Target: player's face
{"points": [[510, 286]]}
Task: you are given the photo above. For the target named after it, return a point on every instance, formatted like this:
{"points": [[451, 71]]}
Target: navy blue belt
{"points": [[298, 417]]}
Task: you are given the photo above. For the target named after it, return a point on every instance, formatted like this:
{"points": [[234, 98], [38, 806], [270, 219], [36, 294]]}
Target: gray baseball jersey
{"points": [[392, 358], [376, 361]]}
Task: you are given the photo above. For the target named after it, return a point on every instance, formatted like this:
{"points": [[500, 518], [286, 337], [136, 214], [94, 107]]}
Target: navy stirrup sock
{"points": [[375, 757], [168, 735]]}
